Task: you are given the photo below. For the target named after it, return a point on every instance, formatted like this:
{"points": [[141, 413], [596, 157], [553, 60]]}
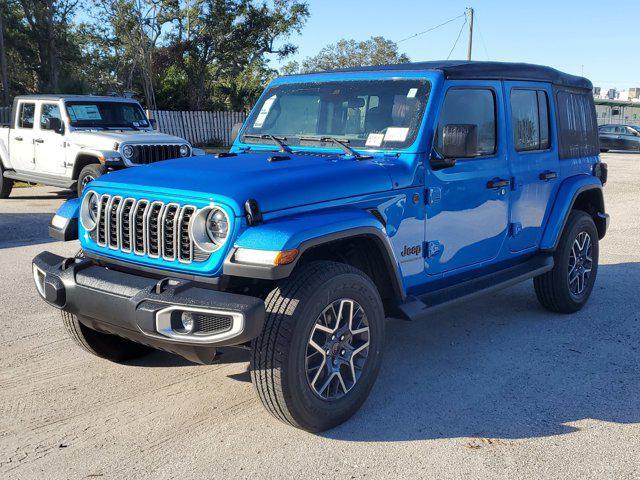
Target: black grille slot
{"points": [[139, 233], [145, 154], [102, 221], [126, 222], [184, 241], [211, 324], [169, 218], [153, 230], [114, 222]]}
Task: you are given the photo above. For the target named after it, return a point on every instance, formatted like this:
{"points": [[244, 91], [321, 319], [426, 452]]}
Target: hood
{"points": [[301, 180], [106, 138]]}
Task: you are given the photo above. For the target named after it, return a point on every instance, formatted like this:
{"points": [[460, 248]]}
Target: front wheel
{"points": [[567, 287], [89, 174], [320, 350]]}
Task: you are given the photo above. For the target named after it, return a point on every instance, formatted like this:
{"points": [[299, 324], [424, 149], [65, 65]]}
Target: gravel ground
{"points": [[494, 388]]}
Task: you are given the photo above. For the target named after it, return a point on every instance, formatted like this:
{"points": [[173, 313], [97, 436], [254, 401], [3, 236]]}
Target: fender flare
{"points": [[566, 197], [304, 232], [108, 158], [66, 231]]}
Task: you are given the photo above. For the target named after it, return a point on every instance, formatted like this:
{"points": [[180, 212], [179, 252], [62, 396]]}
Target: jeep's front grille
{"points": [[152, 229], [145, 154]]}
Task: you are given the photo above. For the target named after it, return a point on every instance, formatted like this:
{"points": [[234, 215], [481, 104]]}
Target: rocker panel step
{"points": [[416, 307]]}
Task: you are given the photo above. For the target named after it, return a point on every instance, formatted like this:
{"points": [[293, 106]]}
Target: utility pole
{"points": [[470, 13]]}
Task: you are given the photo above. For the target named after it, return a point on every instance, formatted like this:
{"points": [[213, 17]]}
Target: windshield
{"points": [[106, 114], [367, 113]]}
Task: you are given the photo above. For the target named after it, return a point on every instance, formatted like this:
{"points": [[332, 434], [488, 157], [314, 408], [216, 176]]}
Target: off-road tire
{"points": [[93, 170], [278, 369], [552, 288], [104, 345], [6, 184]]}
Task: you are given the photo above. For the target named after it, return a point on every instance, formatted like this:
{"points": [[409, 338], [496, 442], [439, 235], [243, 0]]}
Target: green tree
{"points": [[350, 53]]}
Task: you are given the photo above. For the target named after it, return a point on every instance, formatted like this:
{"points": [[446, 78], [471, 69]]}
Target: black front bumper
{"points": [[127, 305]]}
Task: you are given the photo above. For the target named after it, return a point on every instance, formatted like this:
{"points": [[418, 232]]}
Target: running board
{"points": [[416, 307], [61, 182]]}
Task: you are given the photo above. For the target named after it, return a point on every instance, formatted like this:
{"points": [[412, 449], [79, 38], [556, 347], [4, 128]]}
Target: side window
{"points": [[49, 110], [530, 119], [470, 106], [26, 114], [577, 125]]}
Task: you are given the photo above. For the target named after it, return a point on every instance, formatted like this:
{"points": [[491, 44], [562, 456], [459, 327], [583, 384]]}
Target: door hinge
{"points": [[432, 196], [432, 248]]}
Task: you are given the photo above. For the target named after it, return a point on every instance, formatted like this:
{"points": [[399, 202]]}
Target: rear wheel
{"points": [[321, 348], [6, 184], [567, 287], [89, 174]]}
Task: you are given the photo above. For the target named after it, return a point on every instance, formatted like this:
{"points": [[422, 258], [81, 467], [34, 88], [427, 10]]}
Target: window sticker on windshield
{"points": [[412, 93], [396, 134], [264, 111], [84, 112], [374, 140]]}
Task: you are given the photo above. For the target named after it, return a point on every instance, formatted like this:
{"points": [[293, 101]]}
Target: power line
{"points": [[431, 29], [458, 38], [484, 45]]}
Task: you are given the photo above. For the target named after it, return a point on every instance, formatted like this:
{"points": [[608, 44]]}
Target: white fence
{"points": [[198, 127]]}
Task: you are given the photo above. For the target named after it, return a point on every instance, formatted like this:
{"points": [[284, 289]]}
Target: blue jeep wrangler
{"points": [[349, 196]]}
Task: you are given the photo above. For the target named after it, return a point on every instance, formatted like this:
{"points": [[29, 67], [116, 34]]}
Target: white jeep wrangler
{"points": [[67, 141]]}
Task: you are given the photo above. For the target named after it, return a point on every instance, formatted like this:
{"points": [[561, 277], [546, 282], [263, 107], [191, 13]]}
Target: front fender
{"points": [[64, 223], [566, 197], [306, 231]]}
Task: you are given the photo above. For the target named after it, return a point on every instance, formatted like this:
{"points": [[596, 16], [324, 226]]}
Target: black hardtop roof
{"points": [[463, 70]]}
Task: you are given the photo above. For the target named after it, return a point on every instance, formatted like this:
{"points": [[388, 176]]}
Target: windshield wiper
{"points": [[283, 147], [342, 145]]}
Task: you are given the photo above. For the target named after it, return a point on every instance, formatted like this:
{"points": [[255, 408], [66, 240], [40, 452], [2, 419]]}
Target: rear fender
{"points": [[568, 193]]}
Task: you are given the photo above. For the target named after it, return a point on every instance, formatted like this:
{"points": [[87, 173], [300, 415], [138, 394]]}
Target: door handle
{"points": [[548, 175], [498, 183], [17, 139], [38, 140]]}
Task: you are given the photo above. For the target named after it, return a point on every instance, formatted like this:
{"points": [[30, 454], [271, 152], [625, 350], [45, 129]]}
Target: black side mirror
{"points": [[55, 124], [154, 123], [458, 141], [235, 130]]}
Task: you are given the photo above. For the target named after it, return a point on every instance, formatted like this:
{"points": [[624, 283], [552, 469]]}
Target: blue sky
{"points": [[600, 38]]}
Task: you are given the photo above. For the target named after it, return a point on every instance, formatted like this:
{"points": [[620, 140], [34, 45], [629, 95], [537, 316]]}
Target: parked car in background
{"points": [[619, 137], [348, 196], [68, 141]]}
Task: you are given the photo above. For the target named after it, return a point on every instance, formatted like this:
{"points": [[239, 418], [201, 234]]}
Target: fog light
{"points": [[187, 322]]}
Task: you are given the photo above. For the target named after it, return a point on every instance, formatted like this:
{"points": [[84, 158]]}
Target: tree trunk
{"points": [[3, 64]]}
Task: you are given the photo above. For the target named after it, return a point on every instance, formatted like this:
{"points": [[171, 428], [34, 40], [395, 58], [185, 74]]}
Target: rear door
{"points": [[21, 137], [468, 204], [607, 136], [533, 160], [49, 145]]}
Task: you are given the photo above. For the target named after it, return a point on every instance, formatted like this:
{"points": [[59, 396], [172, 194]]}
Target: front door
{"points": [[21, 137], [533, 159], [468, 203], [49, 144]]}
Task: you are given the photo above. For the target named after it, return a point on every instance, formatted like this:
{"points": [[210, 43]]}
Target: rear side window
{"points": [[26, 114], [471, 106], [530, 119], [577, 125]]}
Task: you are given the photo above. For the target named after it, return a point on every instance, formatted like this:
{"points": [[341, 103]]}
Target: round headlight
{"points": [[184, 150], [217, 226], [127, 151], [89, 210], [209, 228]]}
